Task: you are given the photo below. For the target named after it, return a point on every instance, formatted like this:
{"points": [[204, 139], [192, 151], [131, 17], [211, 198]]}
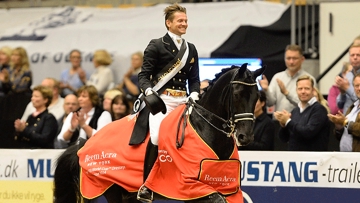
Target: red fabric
{"points": [[180, 180], [107, 158]]}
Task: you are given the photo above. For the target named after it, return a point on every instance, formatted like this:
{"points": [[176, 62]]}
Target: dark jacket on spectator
{"points": [[264, 132], [39, 132], [307, 131]]}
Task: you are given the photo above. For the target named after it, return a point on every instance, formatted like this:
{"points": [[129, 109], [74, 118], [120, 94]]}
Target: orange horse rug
{"points": [[190, 172], [107, 158]]}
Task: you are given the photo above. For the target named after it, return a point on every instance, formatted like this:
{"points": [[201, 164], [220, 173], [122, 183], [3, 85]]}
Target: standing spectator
{"points": [[159, 54], [19, 77], [307, 128], [5, 55], [130, 83], [334, 90], [40, 128], [347, 128], [85, 122], [57, 102], [108, 97], [75, 77], [120, 107], [347, 95], [281, 91], [264, 128], [102, 78]]}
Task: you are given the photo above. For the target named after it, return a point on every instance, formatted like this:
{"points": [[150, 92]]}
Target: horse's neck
{"points": [[216, 139]]}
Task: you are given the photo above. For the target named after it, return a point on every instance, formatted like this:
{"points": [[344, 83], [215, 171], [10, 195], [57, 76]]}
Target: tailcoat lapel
{"points": [[169, 44]]}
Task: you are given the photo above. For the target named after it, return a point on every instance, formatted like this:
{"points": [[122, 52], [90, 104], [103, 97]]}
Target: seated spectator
{"points": [[71, 104], [40, 127], [319, 97], [87, 121], [335, 91], [130, 83], [75, 77], [19, 77], [264, 127], [347, 128], [307, 128], [5, 55], [57, 102], [120, 107], [102, 78], [108, 97]]}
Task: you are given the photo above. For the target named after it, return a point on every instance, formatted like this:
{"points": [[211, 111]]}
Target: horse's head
{"points": [[233, 96]]}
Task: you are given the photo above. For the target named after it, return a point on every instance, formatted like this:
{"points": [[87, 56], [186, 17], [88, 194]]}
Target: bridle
{"points": [[230, 123]]}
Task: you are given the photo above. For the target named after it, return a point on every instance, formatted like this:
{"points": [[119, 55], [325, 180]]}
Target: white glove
{"points": [[148, 91], [194, 96]]}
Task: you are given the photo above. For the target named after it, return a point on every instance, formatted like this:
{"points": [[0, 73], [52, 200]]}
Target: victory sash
{"points": [[168, 72]]}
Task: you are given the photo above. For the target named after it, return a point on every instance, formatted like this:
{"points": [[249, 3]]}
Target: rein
{"points": [[229, 123]]}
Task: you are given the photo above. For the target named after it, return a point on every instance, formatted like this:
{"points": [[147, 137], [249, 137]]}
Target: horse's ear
{"points": [[243, 68], [259, 71]]}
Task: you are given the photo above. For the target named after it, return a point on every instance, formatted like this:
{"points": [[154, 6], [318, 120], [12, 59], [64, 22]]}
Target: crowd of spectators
{"points": [[78, 104], [58, 111]]}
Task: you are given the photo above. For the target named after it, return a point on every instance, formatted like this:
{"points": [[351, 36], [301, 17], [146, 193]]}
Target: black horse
{"points": [[222, 118]]}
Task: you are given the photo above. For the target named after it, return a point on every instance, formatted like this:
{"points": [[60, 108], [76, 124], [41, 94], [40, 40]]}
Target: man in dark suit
{"points": [[169, 62]]}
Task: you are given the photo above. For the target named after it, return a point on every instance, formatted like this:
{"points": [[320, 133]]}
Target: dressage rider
{"points": [[169, 62]]}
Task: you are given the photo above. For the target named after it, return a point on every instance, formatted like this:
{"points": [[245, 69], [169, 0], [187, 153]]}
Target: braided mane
{"points": [[217, 76]]}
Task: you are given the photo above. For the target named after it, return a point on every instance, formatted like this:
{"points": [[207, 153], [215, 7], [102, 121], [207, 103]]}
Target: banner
{"points": [[279, 177], [27, 175], [48, 34]]}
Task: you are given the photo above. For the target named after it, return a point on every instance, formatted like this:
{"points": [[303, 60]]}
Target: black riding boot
{"points": [[144, 193]]}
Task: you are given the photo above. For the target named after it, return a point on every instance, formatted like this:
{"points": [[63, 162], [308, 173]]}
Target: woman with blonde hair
{"points": [[321, 99], [19, 77], [108, 97], [102, 78], [5, 55]]}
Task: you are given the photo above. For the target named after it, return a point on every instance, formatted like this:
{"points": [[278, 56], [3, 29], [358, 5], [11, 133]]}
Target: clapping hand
{"points": [[19, 125], [264, 83], [337, 119], [282, 116], [282, 87]]}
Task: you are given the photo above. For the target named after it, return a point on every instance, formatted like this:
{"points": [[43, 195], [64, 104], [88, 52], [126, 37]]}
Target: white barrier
{"points": [[26, 176]]}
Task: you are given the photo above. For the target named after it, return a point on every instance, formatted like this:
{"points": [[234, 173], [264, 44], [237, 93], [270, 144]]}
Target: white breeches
{"points": [[155, 120]]}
